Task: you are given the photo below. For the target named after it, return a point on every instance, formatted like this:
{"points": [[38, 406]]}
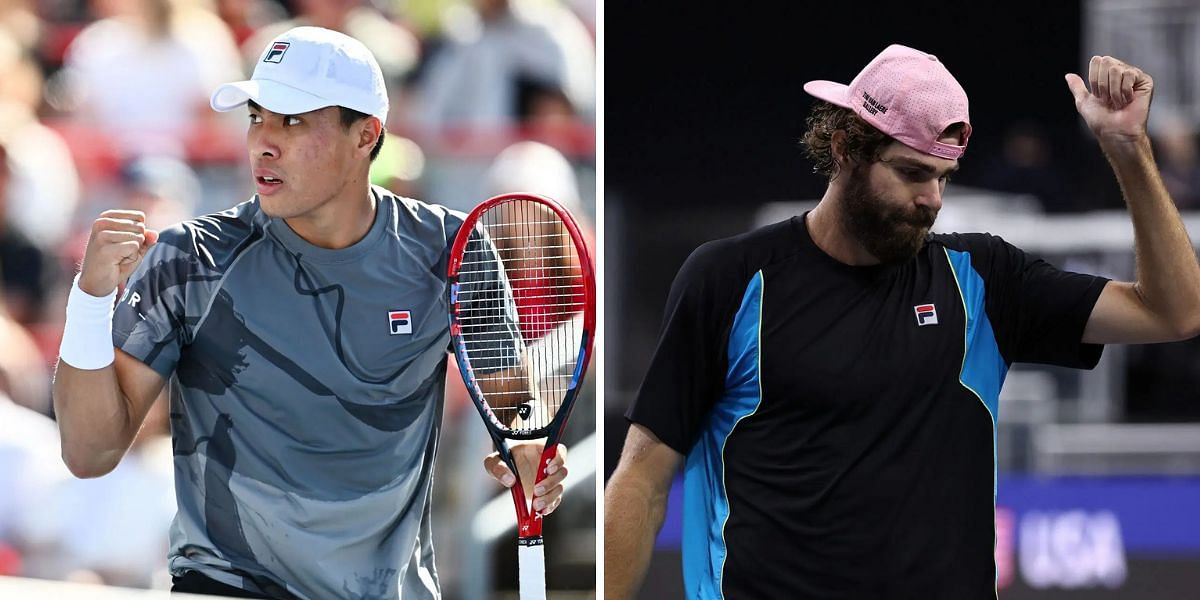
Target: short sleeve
{"points": [[149, 319], [687, 373], [1038, 312], [487, 312]]}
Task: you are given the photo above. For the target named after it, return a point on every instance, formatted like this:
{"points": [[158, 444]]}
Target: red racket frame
{"points": [[529, 523]]}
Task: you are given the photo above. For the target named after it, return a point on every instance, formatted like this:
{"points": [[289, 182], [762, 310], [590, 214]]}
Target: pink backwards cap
{"points": [[906, 94]]}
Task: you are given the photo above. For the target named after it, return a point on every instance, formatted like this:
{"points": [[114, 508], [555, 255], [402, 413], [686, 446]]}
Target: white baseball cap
{"points": [[307, 68]]}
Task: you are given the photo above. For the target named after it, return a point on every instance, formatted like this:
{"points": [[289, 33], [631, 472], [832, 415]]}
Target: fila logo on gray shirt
{"points": [[400, 322]]}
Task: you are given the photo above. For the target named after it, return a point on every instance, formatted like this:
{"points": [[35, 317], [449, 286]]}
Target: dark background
{"points": [[705, 104]]}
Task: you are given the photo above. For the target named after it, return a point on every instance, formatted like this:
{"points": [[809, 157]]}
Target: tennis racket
{"points": [[522, 322]]}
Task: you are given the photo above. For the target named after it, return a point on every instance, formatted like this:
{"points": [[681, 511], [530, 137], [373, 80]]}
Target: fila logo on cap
{"points": [[275, 54], [926, 314], [400, 322]]}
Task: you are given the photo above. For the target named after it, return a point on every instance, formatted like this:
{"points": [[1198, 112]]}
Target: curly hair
{"points": [[863, 142]]}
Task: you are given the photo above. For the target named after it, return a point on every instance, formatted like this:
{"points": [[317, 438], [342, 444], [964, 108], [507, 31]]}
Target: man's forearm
{"points": [[1168, 276], [633, 514], [93, 419]]}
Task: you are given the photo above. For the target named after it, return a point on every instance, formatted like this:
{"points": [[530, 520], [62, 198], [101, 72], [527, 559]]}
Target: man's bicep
{"points": [[648, 459], [140, 384], [1121, 317]]}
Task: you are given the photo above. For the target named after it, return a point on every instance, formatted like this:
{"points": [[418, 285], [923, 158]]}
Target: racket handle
{"points": [[531, 565]]}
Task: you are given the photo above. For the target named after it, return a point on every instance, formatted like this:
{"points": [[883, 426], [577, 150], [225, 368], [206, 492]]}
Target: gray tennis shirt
{"points": [[307, 389]]}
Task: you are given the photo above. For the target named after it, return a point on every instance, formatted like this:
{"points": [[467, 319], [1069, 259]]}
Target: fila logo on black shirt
{"points": [[275, 54], [400, 322], [926, 314]]}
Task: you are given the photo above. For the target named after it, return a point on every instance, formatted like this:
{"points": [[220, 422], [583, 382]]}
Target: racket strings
{"points": [[521, 297]]}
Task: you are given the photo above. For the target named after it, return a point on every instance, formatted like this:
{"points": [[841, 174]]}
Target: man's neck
{"points": [[339, 223], [825, 227]]}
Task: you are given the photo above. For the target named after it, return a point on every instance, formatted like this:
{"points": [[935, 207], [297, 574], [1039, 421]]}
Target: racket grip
{"points": [[531, 561]]}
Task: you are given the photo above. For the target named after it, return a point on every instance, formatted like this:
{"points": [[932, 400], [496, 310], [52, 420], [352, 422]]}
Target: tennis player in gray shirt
{"points": [[304, 335]]}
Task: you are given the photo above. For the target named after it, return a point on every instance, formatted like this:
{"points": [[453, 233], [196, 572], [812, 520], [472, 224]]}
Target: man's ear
{"points": [[838, 154], [369, 134], [837, 149]]}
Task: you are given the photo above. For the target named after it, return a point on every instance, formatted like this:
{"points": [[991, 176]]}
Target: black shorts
{"points": [[193, 582]]}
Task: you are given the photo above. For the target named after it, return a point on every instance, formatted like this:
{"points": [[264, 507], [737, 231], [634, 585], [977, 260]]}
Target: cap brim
{"points": [[829, 91], [271, 95]]}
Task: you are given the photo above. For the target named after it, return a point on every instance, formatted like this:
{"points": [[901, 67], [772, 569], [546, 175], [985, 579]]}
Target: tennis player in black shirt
{"points": [[830, 383]]}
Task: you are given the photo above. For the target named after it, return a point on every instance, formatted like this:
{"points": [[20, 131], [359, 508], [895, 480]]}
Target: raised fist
{"points": [[116, 246]]}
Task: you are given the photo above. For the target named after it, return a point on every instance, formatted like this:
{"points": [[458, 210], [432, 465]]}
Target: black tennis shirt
{"points": [[839, 421]]}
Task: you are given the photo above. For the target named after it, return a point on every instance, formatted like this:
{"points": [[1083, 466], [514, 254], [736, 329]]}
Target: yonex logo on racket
{"points": [[400, 322], [926, 314], [275, 54]]}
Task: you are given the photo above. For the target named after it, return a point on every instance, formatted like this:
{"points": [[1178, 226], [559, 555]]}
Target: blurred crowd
{"points": [[1029, 163], [104, 104]]}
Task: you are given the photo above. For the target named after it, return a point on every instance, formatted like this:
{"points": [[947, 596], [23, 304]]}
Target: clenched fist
{"points": [[1115, 102], [116, 246]]}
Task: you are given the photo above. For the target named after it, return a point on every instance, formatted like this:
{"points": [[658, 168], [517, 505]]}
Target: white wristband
{"points": [[87, 336]]}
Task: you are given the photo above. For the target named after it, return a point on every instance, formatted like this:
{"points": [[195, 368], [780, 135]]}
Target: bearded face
{"points": [[891, 230]]}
